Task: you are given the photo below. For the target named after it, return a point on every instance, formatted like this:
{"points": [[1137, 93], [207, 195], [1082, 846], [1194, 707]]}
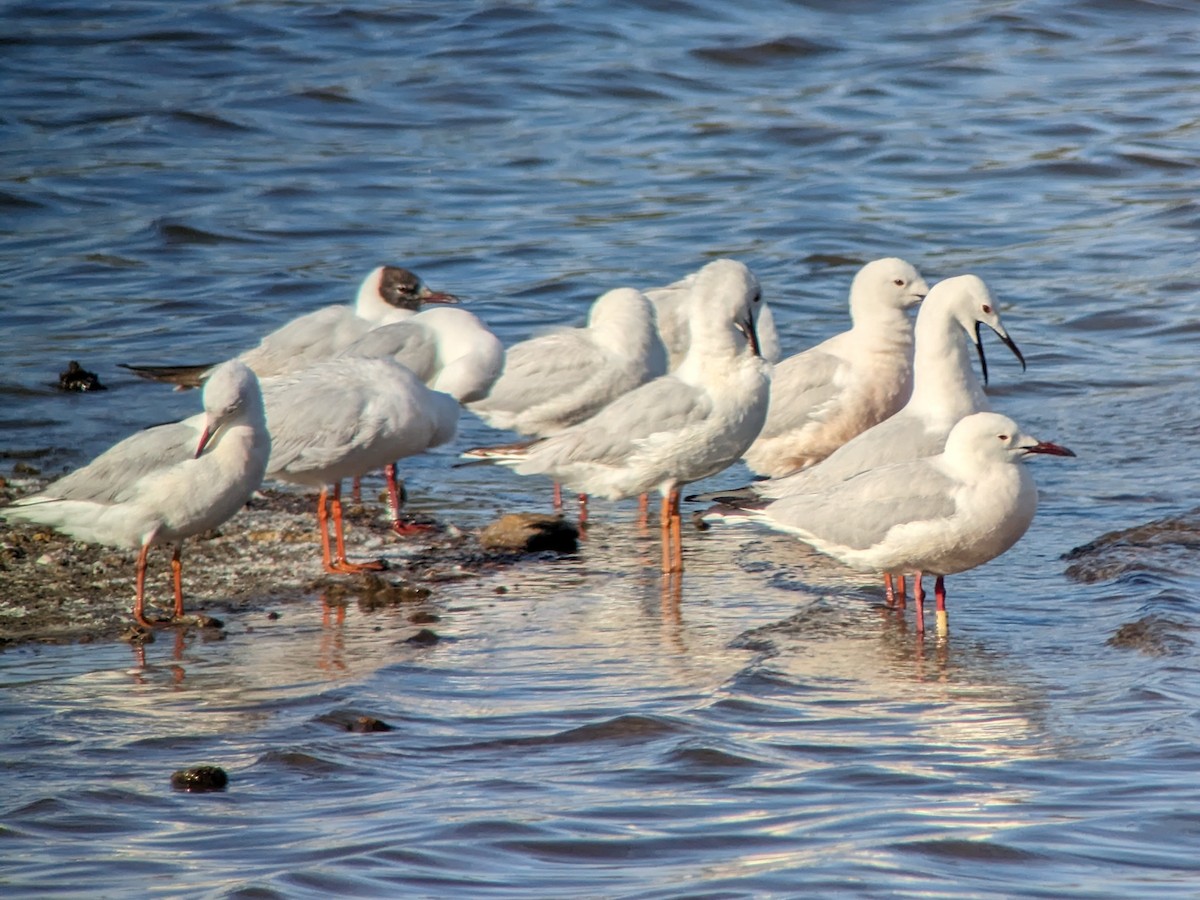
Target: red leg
{"points": [[356, 489], [583, 509], [397, 502], [344, 565], [888, 593], [323, 524], [643, 510], [177, 579], [919, 603], [901, 593], [557, 495]]}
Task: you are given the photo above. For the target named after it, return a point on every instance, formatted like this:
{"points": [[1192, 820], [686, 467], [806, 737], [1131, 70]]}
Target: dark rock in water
{"points": [[424, 617], [1164, 545], [199, 779], [423, 638], [1152, 635], [530, 533], [77, 378], [348, 720]]}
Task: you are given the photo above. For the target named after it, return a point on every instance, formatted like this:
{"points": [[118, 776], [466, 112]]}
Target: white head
{"points": [[995, 438], [888, 283], [231, 394], [722, 308], [964, 299]]}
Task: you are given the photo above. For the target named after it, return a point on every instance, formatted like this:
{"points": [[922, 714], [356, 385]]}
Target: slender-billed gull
{"points": [[449, 349], [166, 483], [937, 515], [671, 311], [388, 294], [678, 428], [823, 397], [343, 418], [558, 379]]}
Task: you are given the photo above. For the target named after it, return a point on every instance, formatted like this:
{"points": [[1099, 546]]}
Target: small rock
{"points": [[22, 468], [530, 533], [423, 638], [199, 779], [353, 721], [78, 379], [424, 617]]}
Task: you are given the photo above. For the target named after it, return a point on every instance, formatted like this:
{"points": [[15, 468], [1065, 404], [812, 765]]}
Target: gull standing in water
{"points": [[166, 483], [937, 515], [388, 294], [558, 379], [945, 390], [343, 418], [678, 428], [450, 350], [823, 397]]}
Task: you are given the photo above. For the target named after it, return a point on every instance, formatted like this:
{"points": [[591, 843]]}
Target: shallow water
{"points": [[181, 177]]}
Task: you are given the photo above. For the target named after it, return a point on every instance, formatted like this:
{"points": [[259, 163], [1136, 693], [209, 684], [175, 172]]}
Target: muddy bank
{"points": [[55, 589]]}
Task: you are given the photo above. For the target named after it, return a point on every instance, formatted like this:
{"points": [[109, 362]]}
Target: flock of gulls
{"points": [[877, 447]]}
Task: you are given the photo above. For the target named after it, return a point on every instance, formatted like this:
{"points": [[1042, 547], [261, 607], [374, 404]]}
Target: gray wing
{"points": [[312, 422], [543, 367], [613, 434], [801, 386], [409, 343], [110, 477], [860, 511], [309, 338]]}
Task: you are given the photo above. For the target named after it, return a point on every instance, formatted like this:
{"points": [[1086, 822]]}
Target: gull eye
{"points": [[899, 282], [987, 309], [1003, 437]]}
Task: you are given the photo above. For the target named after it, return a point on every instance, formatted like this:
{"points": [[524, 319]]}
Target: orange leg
{"points": [[557, 495], [583, 509], [939, 592], [177, 579], [677, 531], [901, 593], [139, 603], [344, 565], [919, 603], [888, 593], [643, 510], [664, 528], [356, 489]]}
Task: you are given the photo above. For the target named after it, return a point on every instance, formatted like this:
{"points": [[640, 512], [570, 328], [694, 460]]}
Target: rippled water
{"points": [[181, 177]]}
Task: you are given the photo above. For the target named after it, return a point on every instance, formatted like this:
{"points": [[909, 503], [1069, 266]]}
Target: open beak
{"points": [[205, 436], [746, 327], [428, 296], [1008, 342], [1049, 449]]}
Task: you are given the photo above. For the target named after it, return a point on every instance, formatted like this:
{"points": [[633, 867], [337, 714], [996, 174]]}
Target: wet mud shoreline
{"points": [[54, 589]]}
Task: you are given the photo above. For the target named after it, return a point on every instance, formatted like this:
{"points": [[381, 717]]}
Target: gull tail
{"points": [[182, 376], [486, 456], [731, 497]]}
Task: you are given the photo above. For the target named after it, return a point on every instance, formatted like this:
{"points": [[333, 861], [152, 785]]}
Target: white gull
{"points": [[671, 309], [343, 418], [678, 428], [937, 515], [825, 396], [166, 483]]}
